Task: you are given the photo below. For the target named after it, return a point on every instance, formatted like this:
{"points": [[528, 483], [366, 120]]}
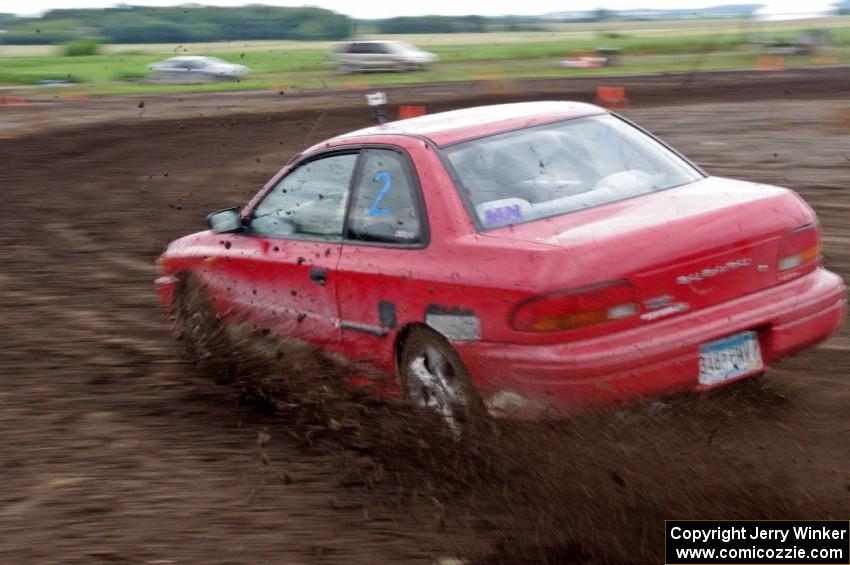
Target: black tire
{"points": [[460, 409], [198, 331]]}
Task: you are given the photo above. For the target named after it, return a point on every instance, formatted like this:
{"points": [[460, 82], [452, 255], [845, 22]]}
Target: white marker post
{"points": [[378, 100]]}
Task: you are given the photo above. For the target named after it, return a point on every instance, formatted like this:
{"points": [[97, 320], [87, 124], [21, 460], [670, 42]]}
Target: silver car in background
{"points": [[191, 69], [379, 55]]}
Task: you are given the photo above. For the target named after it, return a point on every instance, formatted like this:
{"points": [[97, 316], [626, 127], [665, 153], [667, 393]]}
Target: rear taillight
{"points": [[579, 308], [799, 248]]}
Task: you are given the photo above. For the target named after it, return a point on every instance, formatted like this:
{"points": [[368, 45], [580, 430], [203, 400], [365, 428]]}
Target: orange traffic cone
{"points": [[611, 97], [405, 112]]}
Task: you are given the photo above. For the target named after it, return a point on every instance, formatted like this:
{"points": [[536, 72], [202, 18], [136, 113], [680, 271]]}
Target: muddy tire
{"points": [[198, 331], [434, 378]]}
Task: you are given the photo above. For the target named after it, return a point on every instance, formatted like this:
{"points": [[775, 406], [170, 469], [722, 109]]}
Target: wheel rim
{"points": [[432, 385]]}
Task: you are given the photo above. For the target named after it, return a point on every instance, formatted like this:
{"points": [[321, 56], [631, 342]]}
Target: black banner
{"points": [[754, 542]]}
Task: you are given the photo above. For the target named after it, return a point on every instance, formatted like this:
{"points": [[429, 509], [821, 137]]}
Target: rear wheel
{"points": [[434, 378]]}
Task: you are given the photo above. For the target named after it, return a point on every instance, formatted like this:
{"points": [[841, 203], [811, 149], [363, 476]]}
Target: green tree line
{"points": [[193, 23], [181, 24], [455, 24]]}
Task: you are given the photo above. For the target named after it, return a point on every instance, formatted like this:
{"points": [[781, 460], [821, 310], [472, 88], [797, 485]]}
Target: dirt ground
{"points": [[50, 108], [114, 451]]}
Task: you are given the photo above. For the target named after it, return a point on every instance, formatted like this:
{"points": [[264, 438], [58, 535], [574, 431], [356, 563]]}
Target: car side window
{"points": [[309, 201], [384, 205]]}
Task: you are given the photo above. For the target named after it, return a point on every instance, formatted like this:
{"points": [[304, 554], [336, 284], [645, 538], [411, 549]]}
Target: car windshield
{"points": [[545, 171]]}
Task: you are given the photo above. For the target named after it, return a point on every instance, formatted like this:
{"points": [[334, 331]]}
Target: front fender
{"points": [[165, 287]]}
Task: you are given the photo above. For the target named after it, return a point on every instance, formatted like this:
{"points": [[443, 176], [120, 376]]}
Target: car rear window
{"points": [[544, 171]]}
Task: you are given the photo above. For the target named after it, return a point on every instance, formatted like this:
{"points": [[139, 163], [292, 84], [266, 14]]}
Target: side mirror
{"points": [[225, 221]]}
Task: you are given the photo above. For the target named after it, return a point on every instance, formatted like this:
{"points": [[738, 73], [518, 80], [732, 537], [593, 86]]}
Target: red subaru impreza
{"points": [[518, 258]]}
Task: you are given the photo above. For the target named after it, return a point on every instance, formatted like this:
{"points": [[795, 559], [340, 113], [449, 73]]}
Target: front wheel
{"points": [[435, 379], [198, 331]]}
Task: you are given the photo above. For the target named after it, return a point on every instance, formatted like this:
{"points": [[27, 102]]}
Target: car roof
{"points": [[372, 41], [446, 128], [187, 58]]}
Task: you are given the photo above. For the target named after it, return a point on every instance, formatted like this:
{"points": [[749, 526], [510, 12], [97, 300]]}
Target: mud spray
{"points": [[593, 489]]}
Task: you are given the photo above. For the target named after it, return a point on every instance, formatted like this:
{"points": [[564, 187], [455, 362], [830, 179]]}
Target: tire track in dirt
{"points": [[75, 239]]}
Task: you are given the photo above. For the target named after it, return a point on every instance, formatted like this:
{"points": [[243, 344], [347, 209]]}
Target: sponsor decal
{"points": [[502, 216]]}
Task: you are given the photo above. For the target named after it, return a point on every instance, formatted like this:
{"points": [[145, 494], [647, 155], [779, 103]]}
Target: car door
{"points": [[373, 55], [352, 56], [383, 58], [281, 268], [189, 68], [171, 69], [386, 233]]}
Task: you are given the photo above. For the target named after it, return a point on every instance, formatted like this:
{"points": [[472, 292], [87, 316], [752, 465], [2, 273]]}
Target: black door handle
{"points": [[318, 275]]}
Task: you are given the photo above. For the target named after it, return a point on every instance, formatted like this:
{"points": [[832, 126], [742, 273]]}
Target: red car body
{"points": [[695, 263]]}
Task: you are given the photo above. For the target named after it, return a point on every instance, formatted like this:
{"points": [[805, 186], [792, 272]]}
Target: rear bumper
{"points": [[655, 359]]}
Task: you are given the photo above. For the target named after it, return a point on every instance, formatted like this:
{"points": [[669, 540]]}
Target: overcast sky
{"points": [[388, 8]]}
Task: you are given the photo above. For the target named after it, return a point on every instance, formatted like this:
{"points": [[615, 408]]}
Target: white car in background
{"points": [[379, 55], [196, 69]]}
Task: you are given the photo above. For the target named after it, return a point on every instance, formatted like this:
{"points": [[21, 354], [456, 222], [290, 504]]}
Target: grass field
{"points": [[646, 47]]}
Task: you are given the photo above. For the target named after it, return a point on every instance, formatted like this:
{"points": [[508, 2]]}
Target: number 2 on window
{"points": [[375, 210]]}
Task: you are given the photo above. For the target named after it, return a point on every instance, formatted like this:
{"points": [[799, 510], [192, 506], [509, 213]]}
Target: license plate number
{"points": [[729, 357]]}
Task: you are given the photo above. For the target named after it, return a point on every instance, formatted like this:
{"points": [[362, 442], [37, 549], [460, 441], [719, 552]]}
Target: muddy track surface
{"points": [[49, 109], [115, 451]]}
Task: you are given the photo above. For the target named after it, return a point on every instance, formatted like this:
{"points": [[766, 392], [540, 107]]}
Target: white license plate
{"points": [[729, 357]]}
